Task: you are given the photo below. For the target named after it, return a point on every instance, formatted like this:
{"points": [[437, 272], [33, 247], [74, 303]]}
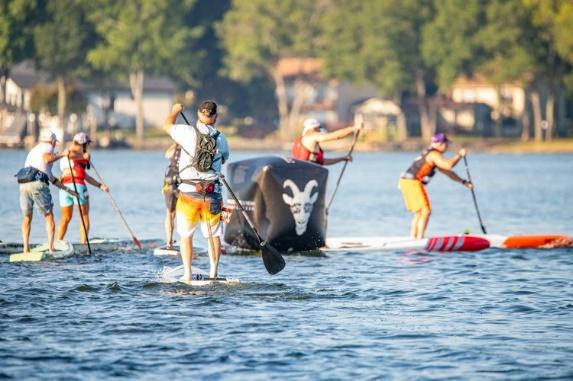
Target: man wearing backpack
{"points": [[203, 152]]}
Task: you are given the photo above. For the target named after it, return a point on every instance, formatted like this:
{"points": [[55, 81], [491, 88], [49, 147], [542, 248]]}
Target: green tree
{"points": [[144, 35], [449, 43], [256, 34], [550, 67], [507, 50], [61, 44], [16, 44], [564, 39], [381, 42]]}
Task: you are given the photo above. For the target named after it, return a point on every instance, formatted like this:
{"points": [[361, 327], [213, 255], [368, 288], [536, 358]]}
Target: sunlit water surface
{"points": [[487, 315]]}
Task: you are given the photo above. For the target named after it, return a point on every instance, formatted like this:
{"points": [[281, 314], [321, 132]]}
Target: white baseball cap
{"points": [[82, 138], [47, 136], [312, 124]]}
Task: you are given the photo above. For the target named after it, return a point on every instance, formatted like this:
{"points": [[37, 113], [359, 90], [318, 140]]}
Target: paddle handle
{"points": [[474, 196], [243, 212], [356, 134], [79, 205], [184, 118]]}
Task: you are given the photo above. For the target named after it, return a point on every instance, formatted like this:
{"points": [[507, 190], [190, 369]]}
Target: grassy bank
{"points": [[155, 139]]}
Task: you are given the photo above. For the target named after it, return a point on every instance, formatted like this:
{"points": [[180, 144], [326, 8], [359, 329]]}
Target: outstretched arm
{"points": [[49, 158], [170, 120], [337, 160], [95, 183], [454, 176], [342, 133]]}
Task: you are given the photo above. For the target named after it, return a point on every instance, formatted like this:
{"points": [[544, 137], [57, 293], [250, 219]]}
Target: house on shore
{"points": [[109, 105], [328, 100]]}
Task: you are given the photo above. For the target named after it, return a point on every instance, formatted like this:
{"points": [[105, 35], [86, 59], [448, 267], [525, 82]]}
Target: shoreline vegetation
{"points": [[489, 145]]}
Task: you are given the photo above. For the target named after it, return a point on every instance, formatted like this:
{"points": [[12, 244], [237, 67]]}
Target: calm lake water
{"points": [[492, 315]]}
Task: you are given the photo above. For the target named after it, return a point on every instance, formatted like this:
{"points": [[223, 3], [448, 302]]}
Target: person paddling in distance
{"points": [[413, 181], [307, 147], [203, 152], [80, 160], [34, 189], [170, 190]]}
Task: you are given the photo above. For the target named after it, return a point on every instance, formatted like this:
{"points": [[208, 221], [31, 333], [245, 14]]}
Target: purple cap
{"points": [[440, 138]]}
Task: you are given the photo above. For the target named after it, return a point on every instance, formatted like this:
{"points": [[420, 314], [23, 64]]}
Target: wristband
{"points": [[464, 182]]}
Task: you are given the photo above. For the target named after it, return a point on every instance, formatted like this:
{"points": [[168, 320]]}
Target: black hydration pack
{"points": [[205, 150]]}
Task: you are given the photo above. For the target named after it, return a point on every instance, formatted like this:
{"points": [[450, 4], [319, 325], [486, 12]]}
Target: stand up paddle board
{"points": [[432, 244], [165, 250], [99, 244], [200, 277], [11, 247], [63, 249]]}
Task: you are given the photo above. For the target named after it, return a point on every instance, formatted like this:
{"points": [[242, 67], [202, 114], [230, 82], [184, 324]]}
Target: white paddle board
{"points": [[200, 277], [63, 249], [164, 250]]}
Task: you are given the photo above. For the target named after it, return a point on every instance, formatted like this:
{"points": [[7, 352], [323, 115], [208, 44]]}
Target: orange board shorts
{"points": [[415, 196], [192, 210]]}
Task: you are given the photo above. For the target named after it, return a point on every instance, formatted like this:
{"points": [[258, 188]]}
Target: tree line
{"points": [[229, 49]]}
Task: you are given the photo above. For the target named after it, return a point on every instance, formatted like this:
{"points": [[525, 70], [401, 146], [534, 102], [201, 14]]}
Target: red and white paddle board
{"points": [[434, 244]]}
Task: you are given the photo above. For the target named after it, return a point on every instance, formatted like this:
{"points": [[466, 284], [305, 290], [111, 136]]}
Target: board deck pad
{"points": [[63, 249]]}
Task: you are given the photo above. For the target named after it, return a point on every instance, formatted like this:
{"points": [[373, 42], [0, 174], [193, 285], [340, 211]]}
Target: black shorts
{"points": [[170, 196]]}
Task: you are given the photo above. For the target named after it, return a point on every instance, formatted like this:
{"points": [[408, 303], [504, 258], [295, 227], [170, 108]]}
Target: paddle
{"points": [[79, 205], [273, 260], [474, 195], [356, 134], [133, 237], [184, 118]]}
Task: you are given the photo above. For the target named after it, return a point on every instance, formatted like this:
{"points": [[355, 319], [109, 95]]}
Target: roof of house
{"points": [[26, 76], [150, 83]]}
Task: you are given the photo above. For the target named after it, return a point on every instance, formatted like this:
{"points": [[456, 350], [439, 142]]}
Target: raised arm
{"points": [[342, 133], [170, 120]]}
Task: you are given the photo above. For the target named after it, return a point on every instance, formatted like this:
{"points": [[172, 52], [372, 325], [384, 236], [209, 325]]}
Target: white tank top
{"points": [[35, 158]]}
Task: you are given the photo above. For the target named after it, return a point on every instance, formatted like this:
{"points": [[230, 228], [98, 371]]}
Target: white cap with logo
{"points": [[312, 124], [47, 136], [82, 138]]}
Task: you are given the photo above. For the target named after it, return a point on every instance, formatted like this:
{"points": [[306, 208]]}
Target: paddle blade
{"points": [[136, 241], [273, 260]]}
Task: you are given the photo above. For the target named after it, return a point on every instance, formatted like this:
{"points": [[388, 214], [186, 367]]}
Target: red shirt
{"points": [[300, 152], [79, 171]]}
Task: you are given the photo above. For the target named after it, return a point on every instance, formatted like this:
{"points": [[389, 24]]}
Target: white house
{"points": [[158, 97]]}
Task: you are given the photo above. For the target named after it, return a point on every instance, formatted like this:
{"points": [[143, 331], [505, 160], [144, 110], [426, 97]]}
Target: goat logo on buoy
{"points": [[301, 203]]}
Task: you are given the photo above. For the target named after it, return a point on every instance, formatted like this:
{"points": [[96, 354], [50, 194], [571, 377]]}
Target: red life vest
{"points": [[79, 167], [300, 152]]}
